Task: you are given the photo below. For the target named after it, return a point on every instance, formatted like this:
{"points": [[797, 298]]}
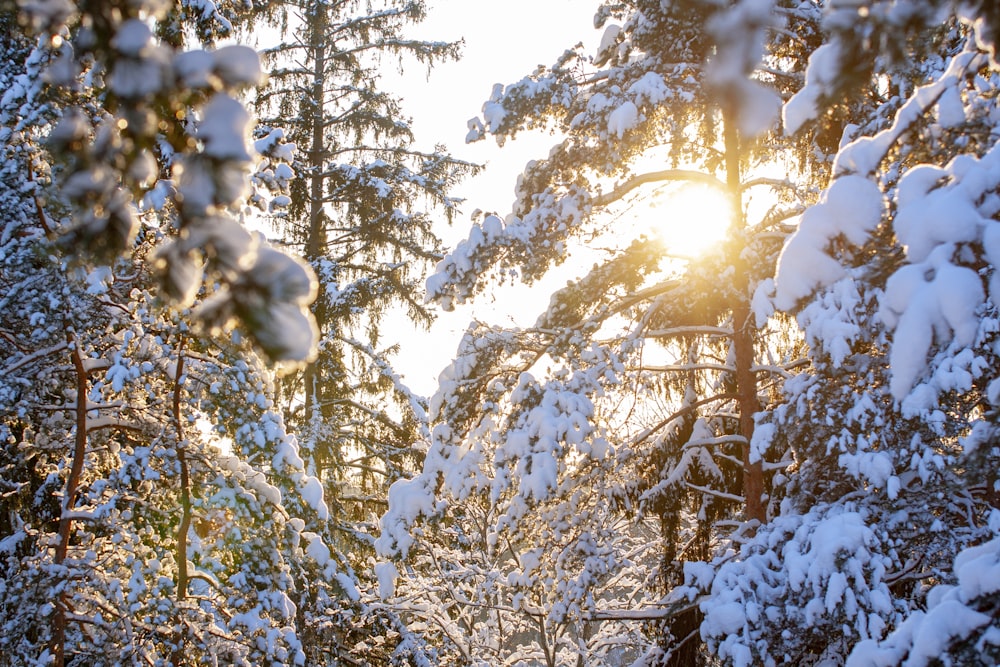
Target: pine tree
{"points": [[888, 427], [627, 411]]}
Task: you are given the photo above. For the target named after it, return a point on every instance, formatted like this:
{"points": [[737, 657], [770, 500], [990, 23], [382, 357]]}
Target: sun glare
{"points": [[690, 220]]}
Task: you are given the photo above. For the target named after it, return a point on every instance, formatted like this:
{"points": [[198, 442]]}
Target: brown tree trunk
{"points": [[58, 647], [177, 657], [185, 524], [743, 328]]}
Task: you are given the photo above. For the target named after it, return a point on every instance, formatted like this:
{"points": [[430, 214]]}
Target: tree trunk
{"points": [[744, 329], [185, 523], [316, 240], [177, 656], [69, 499], [682, 628]]}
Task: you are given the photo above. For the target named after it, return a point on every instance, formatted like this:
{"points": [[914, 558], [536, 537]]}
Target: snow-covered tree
{"points": [[361, 210], [575, 465], [155, 510], [890, 430]]}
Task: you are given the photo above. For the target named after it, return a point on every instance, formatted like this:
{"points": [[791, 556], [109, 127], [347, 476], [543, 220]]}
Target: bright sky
{"points": [[503, 43]]}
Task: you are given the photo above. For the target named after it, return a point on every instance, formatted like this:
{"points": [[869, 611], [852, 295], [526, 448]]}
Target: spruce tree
{"points": [[361, 210]]}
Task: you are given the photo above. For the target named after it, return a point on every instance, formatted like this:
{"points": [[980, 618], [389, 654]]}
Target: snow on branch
{"points": [[689, 175], [690, 331], [715, 492], [34, 356], [862, 156], [203, 140]]}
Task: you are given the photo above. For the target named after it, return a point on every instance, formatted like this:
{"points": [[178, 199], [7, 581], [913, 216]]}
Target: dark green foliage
{"points": [[357, 212]]}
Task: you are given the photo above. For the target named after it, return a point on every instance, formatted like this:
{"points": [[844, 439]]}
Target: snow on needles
{"points": [[623, 119], [740, 32], [952, 615], [821, 569], [821, 73], [933, 298], [852, 207], [224, 129]]}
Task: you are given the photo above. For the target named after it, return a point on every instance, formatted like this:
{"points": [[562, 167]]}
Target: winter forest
{"points": [[780, 450]]}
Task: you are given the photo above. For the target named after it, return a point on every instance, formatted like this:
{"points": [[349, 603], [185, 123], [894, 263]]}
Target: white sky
{"points": [[503, 43]]}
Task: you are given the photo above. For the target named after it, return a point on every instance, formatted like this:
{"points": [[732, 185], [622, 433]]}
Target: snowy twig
{"points": [[690, 331], [35, 356], [773, 183], [720, 440], [712, 492], [691, 407], [783, 370], [865, 154], [648, 614]]}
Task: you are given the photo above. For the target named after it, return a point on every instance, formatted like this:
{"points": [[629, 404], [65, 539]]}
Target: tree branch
{"points": [[658, 177]]}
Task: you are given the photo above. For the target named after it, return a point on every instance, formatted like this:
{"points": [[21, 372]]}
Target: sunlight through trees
{"points": [[756, 423]]}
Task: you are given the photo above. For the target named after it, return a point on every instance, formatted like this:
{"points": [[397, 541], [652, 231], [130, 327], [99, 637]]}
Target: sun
{"points": [[689, 220]]}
